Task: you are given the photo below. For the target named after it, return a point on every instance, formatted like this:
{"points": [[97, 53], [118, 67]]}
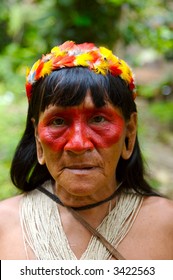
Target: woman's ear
{"points": [[40, 153], [130, 137]]}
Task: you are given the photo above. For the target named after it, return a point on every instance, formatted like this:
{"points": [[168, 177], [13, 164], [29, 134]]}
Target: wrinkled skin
{"points": [[81, 147]]}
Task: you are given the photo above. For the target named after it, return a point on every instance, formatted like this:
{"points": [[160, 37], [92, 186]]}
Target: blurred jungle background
{"points": [[141, 32]]}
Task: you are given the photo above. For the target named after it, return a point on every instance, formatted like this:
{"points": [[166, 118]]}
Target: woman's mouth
{"points": [[80, 169]]}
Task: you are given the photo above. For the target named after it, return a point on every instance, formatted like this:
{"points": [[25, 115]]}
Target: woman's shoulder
{"points": [[10, 202], [160, 211], [158, 203], [9, 210], [11, 241], [152, 232]]}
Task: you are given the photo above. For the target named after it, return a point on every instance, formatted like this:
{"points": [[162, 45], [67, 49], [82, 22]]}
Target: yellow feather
{"points": [[105, 52], [47, 68], [27, 71], [35, 66], [126, 71], [108, 55], [101, 67], [57, 52], [83, 59]]}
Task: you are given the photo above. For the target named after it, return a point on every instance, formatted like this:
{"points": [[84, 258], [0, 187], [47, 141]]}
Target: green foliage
{"points": [[163, 111], [12, 118], [30, 28], [88, 21]]}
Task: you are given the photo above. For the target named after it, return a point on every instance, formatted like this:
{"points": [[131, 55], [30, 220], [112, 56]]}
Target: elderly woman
{"points": [[79, 166]]}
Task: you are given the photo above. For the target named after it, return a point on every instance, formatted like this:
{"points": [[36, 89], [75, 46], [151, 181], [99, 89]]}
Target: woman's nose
{"points": [[78, 140]]}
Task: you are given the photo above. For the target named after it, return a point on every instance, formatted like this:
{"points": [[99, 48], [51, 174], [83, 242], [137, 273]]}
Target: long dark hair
{"points": [[68, 87]]}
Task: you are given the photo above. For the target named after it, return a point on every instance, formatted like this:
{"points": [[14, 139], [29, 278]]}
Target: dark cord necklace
{"points": [[89, 206]]}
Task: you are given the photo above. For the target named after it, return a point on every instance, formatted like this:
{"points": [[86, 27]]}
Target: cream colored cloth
{"points": [[43, 231]]}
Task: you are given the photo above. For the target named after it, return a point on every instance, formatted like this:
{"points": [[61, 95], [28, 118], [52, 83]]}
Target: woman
{"points": [[79, 166]]}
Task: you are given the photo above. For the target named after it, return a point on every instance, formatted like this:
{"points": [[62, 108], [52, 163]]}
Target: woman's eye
{"points": [[58, 122], [97, 119]]}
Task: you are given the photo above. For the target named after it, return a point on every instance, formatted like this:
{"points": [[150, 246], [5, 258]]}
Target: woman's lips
{"points": [[81, 169]]}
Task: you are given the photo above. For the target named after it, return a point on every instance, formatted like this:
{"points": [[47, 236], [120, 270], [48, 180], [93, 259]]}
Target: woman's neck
{"points": [[94, 216], [81, 203]]}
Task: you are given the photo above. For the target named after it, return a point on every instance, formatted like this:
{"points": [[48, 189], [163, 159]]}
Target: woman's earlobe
{"points": [[130, 137], [40, 153]]}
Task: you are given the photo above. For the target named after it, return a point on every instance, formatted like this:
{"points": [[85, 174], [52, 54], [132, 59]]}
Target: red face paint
{"points": [[80, 128]]}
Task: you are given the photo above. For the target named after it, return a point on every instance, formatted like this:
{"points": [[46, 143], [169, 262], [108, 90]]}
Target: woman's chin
{"points": [[80, 181]]}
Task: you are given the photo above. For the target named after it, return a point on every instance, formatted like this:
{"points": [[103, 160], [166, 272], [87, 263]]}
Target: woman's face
{"points": [[81, 146]]}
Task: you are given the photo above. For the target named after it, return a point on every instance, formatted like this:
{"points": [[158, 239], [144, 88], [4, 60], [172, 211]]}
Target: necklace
{"points": [[89, 206]]}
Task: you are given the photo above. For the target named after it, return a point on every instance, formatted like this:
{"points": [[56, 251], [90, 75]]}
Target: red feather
{"points": [[68, 45], [63, 61], [38, 71], [28, 90], [115, 70]]}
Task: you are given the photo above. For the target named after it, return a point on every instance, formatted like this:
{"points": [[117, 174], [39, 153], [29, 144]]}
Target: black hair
{"points": [[68, 87]]}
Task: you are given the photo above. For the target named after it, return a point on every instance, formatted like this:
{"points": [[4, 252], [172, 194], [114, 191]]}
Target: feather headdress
{"points": [[98, 59]]}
